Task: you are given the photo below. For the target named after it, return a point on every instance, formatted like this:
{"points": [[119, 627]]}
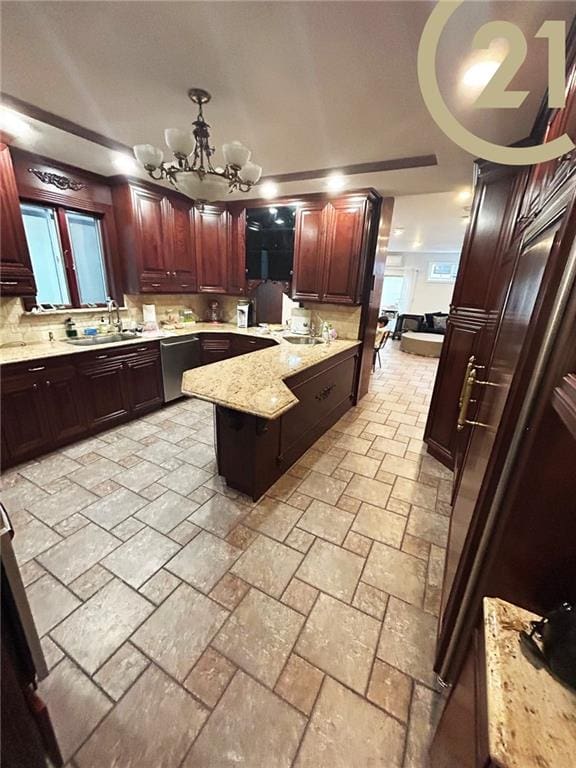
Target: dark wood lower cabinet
{"points": [[65, 404], [107, 400], [144, 382], [48, 403], [254, 452], [25, 426]]}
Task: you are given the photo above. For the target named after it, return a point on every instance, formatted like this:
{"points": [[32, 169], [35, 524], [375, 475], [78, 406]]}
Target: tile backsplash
{"points": [[16, 325]]}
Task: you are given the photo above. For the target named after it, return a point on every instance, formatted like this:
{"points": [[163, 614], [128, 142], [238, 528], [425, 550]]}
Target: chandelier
{"points": [[191, 170]]}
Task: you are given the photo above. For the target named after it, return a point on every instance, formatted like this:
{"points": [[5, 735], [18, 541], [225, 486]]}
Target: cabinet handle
{"points": [[8, 282], [142, 349], [34, 386], [183, 285], [168, 273], [47, 382], [39, 368], [155, 285], [324, 393], [101, 357]]}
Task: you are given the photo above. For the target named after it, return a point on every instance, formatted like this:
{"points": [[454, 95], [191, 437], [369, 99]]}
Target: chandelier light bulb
{"points": [[180, 142], [250, 173], [148, 156], [236, 154]]}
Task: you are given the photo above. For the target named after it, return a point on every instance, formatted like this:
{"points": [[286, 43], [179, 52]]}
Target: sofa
{"points": [[431, 322]]}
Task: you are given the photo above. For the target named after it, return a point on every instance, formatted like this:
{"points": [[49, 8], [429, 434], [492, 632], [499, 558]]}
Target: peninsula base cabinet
{"points": [[52, 402], [254, 452]]}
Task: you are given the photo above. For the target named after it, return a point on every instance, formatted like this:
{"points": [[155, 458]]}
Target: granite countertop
{"points": [[531, 716], [254, 383], [41, 349]]}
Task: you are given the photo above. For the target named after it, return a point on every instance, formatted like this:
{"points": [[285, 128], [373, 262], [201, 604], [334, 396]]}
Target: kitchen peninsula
{"points": [[273, 404]]}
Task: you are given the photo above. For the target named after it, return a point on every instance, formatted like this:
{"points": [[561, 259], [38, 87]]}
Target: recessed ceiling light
{"points": [[479, 74], [13, 123], [398, 231], [335, 182], [269, 190], [464, 196], [124, 163], [416, 243]]}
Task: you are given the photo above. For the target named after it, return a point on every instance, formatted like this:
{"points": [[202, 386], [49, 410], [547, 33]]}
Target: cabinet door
{"points": [[237, 249], [16, 276], [144, 382], [150, 221], [25, 425], [344, 226], [64, 403], [211, 238], [181, 261], [309, 246], [105, 393]]}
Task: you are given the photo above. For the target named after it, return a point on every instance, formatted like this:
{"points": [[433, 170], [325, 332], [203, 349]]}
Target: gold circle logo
{"points": [[495, 94]]}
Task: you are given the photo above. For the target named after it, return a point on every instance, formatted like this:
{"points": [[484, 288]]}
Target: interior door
{"points": [[522, 314]]}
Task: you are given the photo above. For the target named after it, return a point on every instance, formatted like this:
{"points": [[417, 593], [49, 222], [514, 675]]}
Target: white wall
{"points": [[419, 294]]}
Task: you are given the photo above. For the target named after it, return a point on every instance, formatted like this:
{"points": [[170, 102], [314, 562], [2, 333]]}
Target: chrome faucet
{"points": [[111, 305]]}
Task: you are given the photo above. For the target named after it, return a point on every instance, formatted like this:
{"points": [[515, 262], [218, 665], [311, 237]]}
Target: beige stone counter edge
{"points": [[258, 376], [42, 349]]}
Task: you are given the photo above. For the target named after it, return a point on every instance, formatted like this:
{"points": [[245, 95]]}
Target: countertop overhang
{"points": [[254, 383]]}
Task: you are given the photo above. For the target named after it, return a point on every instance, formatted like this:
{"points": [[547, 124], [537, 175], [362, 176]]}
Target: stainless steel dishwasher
{"points": [[178, 354]]}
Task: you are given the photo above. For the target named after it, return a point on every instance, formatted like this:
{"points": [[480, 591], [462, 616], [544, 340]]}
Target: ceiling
{"points": [[306, 85], [432, 223]]}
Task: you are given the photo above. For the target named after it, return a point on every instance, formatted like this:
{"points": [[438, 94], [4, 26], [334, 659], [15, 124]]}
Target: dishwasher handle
{"points": [[168, 344]]}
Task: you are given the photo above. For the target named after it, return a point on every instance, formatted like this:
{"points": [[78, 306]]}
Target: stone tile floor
{"points": [[186, 626]]}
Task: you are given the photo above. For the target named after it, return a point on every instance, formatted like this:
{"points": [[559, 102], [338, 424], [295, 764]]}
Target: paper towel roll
{"points": [[149, 312]]}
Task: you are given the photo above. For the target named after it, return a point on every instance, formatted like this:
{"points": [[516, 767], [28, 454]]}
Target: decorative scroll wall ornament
{"points": [[62, 182]]}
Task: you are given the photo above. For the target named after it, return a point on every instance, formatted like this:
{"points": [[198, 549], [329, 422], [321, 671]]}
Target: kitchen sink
{"points": [[109, 338], [303, 340]]}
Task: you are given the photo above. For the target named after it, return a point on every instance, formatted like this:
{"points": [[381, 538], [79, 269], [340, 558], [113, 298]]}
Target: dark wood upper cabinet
{"points": [[156, 232], [211, 244], [344, 225], [236, 249], [16, 276], [309, 241], [328, 250], [151, 232], [181, 261]]}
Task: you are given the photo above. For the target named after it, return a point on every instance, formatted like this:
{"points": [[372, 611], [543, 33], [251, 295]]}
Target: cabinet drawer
{"points": [[17, 285], [102, 356], [241, 345]]}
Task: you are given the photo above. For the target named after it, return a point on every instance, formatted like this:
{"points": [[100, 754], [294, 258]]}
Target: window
{"points": [[67, 256], [391, 291], [442, 271]]}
